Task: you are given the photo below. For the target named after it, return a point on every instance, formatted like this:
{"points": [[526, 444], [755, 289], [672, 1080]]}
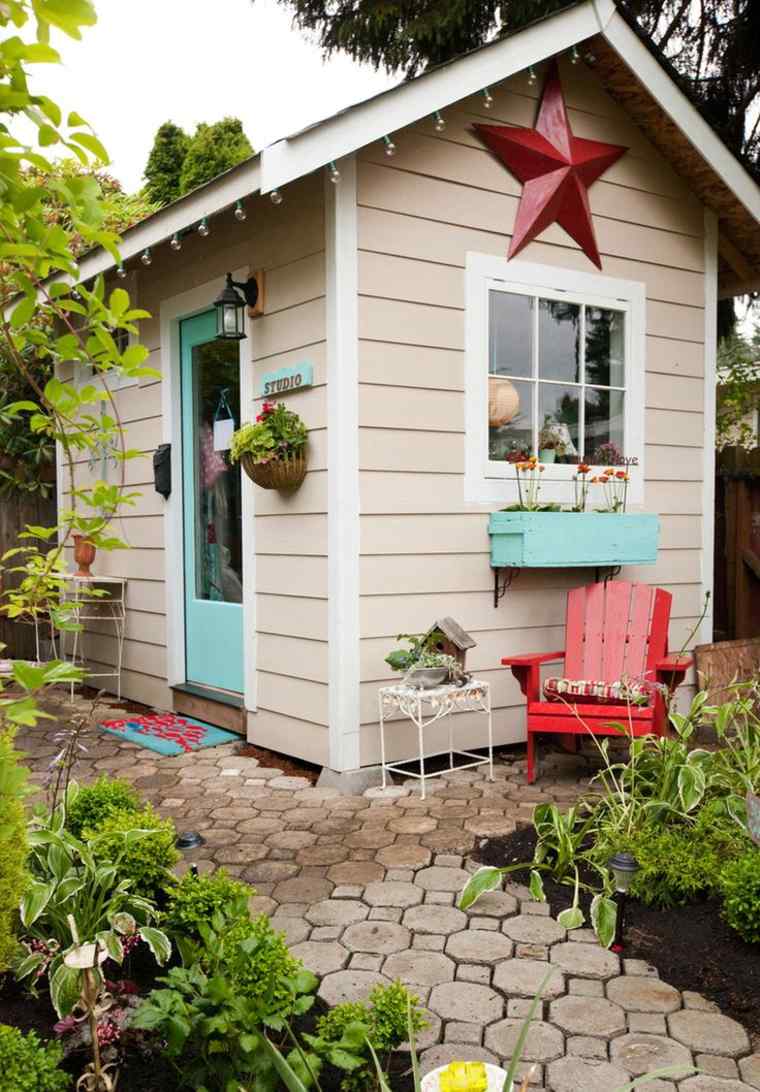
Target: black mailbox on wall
{"points": [[162, 469]]}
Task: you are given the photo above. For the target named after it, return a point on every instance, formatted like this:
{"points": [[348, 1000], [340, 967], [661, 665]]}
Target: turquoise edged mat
{"points": [[168, 733]]}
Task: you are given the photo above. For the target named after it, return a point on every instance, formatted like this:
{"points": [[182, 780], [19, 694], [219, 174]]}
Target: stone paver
{"points": [[709, 1032], [321, 957], [577, 1015], [543, 1043], [478, 946], [466, 1001], [638, 1054], [639, 994], [365, 890], [585, 960], [377, 937], [420, 968]]}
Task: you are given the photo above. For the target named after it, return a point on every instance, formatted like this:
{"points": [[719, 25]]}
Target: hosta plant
{"points": [[69, 883]]}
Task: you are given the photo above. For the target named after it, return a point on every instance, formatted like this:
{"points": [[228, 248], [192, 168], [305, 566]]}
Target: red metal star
{"points": [[556, 169]]}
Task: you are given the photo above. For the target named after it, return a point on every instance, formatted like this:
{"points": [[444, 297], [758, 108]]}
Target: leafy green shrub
{"points": [[145, 861], [260, 965], [93, 804], [680, 862], [343, 1033], [195, 900], [13, 845], [29, 1065], [217, 1012], [740, 890]]}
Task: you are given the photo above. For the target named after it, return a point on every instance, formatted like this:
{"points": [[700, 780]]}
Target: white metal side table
{"points": [[110, 607], [425, 708]]}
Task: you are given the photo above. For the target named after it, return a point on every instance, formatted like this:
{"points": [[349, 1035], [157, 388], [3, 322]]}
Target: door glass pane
{"points": [[218, 519], [605, 347], [604, 423], [558, 423], [510, 418], [559, 340], [509, 334]]}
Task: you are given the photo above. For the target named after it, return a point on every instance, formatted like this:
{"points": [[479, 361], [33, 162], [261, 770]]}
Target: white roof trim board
{"points": [[344, 133]]}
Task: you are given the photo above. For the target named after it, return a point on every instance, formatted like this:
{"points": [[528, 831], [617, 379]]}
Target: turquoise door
{"points": [[213, 555]]}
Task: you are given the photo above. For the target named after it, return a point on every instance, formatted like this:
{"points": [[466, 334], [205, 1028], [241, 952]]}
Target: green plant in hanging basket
{"points": [[272, 450]]}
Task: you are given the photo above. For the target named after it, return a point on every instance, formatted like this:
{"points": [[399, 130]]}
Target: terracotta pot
{"points": [[84, 555], [283, 474]]}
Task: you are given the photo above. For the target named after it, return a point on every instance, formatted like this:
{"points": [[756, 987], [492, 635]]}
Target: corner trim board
{"points": [[341, 257], [710, 382]]}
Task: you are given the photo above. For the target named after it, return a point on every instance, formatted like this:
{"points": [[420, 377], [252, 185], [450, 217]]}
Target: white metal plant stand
{"points": [[110, 607], [425, 708]]}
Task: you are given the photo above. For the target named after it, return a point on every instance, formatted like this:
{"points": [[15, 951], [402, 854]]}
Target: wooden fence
{"points": [[16, 512], [737, 544]]}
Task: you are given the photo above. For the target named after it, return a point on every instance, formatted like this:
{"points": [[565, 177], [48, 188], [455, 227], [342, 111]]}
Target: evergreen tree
{"points": [[213, 150], [164, 166]]}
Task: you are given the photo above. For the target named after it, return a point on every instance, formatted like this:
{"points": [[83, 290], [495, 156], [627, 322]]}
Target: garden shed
{"points": [[520, 251]]}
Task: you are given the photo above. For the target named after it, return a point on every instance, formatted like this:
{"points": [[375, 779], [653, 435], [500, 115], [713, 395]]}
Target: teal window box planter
{"points": [[552, 540]]}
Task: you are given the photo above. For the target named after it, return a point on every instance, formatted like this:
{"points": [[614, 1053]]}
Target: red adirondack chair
{"points": [[614, 631]]}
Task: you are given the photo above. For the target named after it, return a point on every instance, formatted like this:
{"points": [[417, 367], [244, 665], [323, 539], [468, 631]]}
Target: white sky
{"points": [[148, 61]]}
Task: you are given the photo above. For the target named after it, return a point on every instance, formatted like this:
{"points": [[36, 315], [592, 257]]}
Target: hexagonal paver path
{"points": [[365, 889]]}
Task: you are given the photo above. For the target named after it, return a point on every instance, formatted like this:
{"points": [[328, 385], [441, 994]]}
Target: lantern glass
{"points": [[623, 867], [230, 308]]}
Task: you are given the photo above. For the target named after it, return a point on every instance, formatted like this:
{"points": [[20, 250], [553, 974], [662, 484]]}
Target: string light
{"points": [[487, 98], [121, 271], [531, 76], [334, 172], [175, 242], [439, 122], [275, 197], [146, 258], [390, 147], [575, 56], [240, 213], [203, 228]]}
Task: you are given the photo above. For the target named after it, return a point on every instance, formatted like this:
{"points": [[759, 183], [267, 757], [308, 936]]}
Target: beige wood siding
{"points": [[424, 551], [290, 533]]}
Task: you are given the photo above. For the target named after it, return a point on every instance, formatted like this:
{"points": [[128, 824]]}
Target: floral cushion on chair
{"points": [[597, 693]]}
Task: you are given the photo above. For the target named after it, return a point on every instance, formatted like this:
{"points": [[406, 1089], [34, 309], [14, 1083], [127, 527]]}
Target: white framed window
{"points": [[554, 366]]}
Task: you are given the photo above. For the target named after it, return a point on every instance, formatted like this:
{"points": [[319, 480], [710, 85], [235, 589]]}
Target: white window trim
{"points": [[485, 483]]}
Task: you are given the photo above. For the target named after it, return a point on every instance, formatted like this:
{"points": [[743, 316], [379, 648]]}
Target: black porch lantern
{"points": [[230, 307]]}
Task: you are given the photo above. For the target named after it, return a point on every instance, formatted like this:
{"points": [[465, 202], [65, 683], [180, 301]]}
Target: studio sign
{"points": [[286, 380]]}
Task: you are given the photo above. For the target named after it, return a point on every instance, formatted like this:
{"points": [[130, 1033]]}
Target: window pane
{"points": [[604, 423], [509, 334], [558, 340], [218, 530], [510, 418], [605, 347], [559, 411]]}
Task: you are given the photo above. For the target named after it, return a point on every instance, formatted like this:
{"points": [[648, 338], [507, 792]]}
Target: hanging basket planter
{"points": [[272, 450], [283, 474]]}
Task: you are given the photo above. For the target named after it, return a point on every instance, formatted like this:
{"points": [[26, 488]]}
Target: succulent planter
{"points": [[550, 540], [283, 474]]}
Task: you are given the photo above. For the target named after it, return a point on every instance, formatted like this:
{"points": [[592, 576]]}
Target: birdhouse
{"points": [[451, 640]]}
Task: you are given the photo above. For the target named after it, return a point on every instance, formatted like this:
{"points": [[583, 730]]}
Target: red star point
{"points": [[556, 169]]}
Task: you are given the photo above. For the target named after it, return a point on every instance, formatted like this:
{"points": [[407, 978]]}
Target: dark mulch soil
{"points": [[291, 767], [691, 946]]}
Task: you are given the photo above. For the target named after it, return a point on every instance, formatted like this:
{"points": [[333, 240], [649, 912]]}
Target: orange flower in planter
{"points": [[583, 468]]}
